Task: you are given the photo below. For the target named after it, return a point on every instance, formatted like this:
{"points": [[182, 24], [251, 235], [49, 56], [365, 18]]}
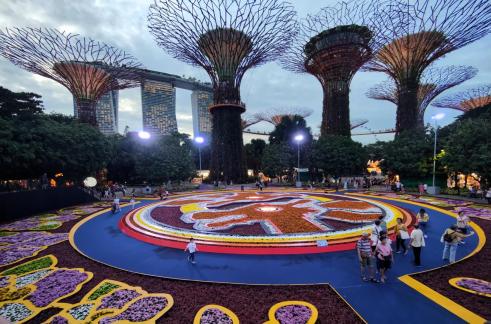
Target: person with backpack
{"points": [[451, 237]]}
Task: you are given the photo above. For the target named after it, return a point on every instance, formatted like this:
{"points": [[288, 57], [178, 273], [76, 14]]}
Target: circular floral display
{"points": [[259, 222], [472, 285]]}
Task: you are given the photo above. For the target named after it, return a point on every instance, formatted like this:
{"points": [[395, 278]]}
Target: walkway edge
{"points": [[441, 300]]}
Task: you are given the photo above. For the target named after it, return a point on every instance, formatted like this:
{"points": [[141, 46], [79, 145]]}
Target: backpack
{"points": [[448, 237]]}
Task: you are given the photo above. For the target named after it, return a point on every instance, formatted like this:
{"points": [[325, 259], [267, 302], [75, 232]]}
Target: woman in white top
{"points": [[417, 243], [191, 248]]}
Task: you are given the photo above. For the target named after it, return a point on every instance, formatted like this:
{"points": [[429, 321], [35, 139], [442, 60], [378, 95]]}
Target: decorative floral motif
{"points": [[118, 299], [25, 244], [9, 295], [81, 312], [476, 211], [56, 285], [41, 263], [104, 289], [14, 312], [293, 314], [4, 282], [59, 320], [211, 314], [141, 310], [472, 285], [30, 278]]}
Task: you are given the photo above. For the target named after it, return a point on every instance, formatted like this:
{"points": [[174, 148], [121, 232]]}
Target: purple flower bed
{"points": [[4, 282], [11, 256], [118, 299], [474, 211], [214, 315], [141, 310], [21, 237], [56, 285], [293, 314], [479, 286]]}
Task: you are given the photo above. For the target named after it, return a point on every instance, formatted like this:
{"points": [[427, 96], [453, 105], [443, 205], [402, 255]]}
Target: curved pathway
{"points": [[99, 238]]}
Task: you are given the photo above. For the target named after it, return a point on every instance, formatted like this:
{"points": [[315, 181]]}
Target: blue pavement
{"points": [[101, 240]]}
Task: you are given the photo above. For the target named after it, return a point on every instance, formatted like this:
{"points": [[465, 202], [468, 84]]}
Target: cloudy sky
{"points": [[122, 23]]}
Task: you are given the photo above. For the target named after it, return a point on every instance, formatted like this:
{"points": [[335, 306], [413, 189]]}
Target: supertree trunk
{"points": [[335, 109], [87, 111], [227, 157], [407, 106]]}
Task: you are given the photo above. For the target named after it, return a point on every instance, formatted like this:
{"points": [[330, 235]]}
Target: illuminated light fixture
{"points": [[199, 140], [144, 135]]}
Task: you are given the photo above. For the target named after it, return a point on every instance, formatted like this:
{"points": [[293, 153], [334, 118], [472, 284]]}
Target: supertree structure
{"points": [[249, 121], [332, 45], [226, 38], [466, 100], [412, 35], [433, 82], [87, 68], [355, 123], [275, 116]]}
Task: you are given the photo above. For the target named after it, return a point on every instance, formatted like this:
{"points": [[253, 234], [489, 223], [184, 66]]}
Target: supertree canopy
{"points": [[467, 100], [275, 116], [87, 68], [332, 45], [412, 35], [433, 82], [226, 38]]}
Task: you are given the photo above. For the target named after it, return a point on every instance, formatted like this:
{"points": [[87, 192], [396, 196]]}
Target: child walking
{"points": [[191, 248]]}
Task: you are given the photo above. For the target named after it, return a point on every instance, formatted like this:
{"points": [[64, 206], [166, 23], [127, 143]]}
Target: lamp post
{"points": [[298, 138], [199, 140], [436, 118]]}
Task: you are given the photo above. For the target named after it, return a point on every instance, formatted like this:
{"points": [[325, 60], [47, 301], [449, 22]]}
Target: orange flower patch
{"points": [[352, 216]]}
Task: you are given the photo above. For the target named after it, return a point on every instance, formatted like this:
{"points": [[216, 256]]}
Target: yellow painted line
{"points": [[191, 208], [323, 199], [443, 301]]}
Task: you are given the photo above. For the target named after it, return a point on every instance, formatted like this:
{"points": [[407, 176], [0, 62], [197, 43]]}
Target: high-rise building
{"points": [[159, 107], [200, 101], [106, 112]]}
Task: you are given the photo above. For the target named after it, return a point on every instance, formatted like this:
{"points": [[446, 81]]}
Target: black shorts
{"points": [[384, 264]]}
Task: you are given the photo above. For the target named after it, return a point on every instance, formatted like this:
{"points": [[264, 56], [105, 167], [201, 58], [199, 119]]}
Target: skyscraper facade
{"points": [[106, 112], [200, 101], [159, 107]]}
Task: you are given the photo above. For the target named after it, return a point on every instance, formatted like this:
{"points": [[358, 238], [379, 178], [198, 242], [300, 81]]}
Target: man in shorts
{"points": [[364, 250]]}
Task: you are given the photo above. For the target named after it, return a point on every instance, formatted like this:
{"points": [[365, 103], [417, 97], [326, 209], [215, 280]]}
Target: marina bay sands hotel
{"points": [[158, 97]]}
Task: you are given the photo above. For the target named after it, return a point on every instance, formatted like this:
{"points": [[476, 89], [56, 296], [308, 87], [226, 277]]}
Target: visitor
{"points": [[132, 202], [422, 219], [417, 243], [364, 250], [451, 237], [161, 193], [261, 186], [383, 223], [402, 235], [191, 248], [116, 205], [488, 195], [425, 188], [166, 194], [375, 236], [462, 224], [398, 186], [384, 256], [421, 189]]}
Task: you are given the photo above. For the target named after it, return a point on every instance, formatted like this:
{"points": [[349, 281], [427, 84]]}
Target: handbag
{"points": [[404, 235]]}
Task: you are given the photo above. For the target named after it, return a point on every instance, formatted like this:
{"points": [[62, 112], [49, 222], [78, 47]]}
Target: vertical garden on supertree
{"points": [[87, 68], [332, 46], [413, 34], [226, 38], [434, 81], [467, 100]]}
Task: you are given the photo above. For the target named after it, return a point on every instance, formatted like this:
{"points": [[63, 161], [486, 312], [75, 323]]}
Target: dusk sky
{"points": [[123, 23]]}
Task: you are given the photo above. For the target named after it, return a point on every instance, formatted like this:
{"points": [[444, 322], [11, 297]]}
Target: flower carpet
{"points": [[89, 268]]}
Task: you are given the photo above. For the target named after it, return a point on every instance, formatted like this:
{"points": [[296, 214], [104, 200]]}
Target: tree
{"points": [[19, 103], [410, 155], [254, 153], [33, 145], [339, 156], [288, 127], [277, 160], [468, 149]]}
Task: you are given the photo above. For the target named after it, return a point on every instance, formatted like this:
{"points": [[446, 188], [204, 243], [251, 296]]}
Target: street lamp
{"points": [[436, 118], [199, 140], [298, 138]]}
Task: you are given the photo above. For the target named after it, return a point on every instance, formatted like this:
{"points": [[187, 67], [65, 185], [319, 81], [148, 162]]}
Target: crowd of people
{"points": [[375, 253]]}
